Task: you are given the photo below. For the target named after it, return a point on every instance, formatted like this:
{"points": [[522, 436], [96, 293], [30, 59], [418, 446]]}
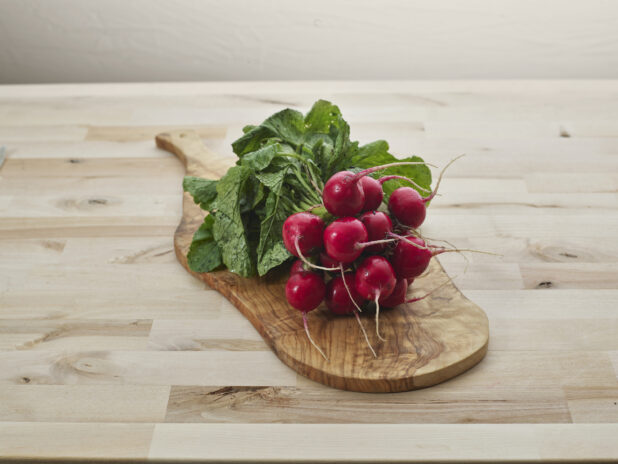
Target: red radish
{"points": [[407, 205], [378, 226], [411, 257], [305, 292], [375, 278], [303, 231], [373, 193], [341, 299], [397, 297], [337, 297], [342, 238], [343, 194], [299, 267], [345, 239]]}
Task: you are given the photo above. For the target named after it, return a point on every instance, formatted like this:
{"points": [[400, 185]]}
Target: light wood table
{"points": [[109, 349]]}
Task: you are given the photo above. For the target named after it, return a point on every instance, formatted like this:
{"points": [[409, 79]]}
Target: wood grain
{"points": [[438, 338], [106, 290]]}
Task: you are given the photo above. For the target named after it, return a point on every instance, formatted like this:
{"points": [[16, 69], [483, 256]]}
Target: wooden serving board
{"points": [[426, 343]]}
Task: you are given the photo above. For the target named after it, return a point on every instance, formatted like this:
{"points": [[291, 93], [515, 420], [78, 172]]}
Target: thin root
{"points": [[459, 250], [309, 263], [435, 190], [309, 336], [466, 259], [360, 323], [378, 318], [345, 284], [412, 300]]}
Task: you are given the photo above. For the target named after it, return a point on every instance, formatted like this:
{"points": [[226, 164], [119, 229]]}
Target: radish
{"points": [[342, 238], [378, 226], [346, 238], [375, 278], [299, 267], [302, 233], [338, 299], [343, 194], [305, 292], [411, 257], [397, 297], [408, 206], [341, 299], [373, 193]]}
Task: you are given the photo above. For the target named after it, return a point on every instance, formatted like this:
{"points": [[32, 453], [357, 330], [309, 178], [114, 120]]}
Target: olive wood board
{"points": [[427, 342]]}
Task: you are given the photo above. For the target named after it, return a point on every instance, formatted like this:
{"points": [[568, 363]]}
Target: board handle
{"points": [[189, 148]]}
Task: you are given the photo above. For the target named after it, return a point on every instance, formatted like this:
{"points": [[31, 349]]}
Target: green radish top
{"points": [[282, 167]]}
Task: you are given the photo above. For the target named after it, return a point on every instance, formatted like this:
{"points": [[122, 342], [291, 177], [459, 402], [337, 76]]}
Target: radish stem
{"points": [[374, 242], [387, 178], [367, 171], [401, 237]]}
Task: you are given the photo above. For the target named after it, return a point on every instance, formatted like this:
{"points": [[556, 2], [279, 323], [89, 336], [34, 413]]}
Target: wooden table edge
{"points": [[219, 442]]}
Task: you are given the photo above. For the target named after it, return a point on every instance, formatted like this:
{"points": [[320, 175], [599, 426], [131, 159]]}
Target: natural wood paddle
{"points": [[427, 342]]}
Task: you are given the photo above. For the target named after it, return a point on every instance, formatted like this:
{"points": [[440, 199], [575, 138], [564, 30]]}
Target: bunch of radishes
{"points": [[367, 253]]}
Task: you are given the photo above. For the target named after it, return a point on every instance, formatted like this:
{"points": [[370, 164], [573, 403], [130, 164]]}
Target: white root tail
{"points": [[435, 190], [412, 300], [345, 284], [309, 263], [378, 318], [309, 336], [362, 327]]}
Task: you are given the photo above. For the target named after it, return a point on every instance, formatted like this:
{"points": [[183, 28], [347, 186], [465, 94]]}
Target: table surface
{"points": [[109, 349]]}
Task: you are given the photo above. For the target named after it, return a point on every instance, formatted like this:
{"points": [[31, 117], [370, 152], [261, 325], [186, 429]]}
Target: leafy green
{"points": [[321, 117], [376, 154], [288, 125], [282, 164], [229, 229], [204, 254], [271, 251], [203, 191]]}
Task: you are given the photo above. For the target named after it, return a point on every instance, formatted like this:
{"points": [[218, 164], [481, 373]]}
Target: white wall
{"points": [[160, 40]]}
